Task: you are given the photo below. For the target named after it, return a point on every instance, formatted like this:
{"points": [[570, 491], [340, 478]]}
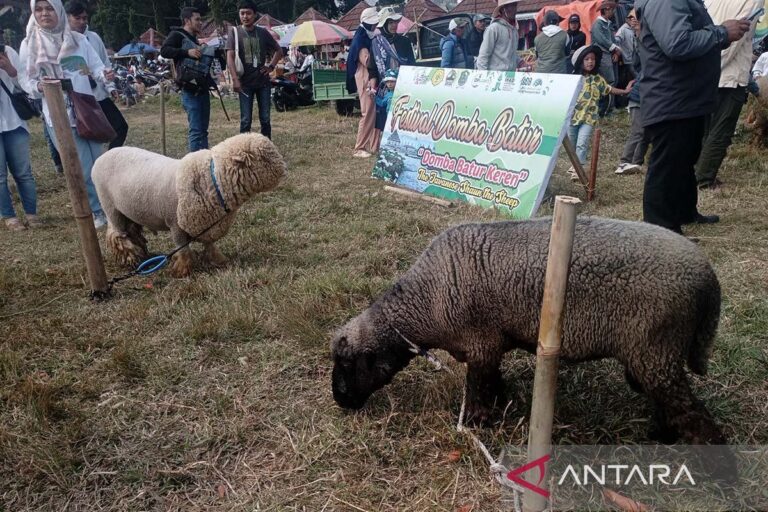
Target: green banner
{"points": [[489, 138]]}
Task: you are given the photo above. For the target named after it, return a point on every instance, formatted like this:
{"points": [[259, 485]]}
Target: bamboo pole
{"points": [[593, 166], [570, 150], [548, 349], [78, 196], [162, 116]]}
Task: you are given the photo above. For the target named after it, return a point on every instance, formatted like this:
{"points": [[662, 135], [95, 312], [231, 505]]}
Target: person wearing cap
{"points": [[454, 55], [680, 55], [384, 98], [735, 64], [593, 88], [359, 81], [388, 22], [551, 46], [576, 36], [475, 34], [499, 49], [602, 36]]}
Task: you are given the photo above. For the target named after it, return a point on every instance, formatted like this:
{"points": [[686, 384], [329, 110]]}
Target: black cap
{"points": [[552, 18], [574, 18]]}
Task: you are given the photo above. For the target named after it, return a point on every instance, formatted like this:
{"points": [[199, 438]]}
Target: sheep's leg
{"points": [[182, 261], [684, 413], [485, 387], [213, 255], [129, 250]]}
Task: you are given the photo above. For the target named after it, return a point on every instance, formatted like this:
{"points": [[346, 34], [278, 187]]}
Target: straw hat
{"points": [[502, 3], [369, 16]]}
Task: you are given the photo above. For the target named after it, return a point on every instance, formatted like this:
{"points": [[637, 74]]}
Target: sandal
{"points": [[33, 221], [14, 224]]}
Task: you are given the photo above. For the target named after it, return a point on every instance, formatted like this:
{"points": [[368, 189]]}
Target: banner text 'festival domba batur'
{"points": [[490, 138]]}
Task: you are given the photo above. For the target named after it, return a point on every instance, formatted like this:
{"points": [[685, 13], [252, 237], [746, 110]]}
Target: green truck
{"points": [[331, 85]]}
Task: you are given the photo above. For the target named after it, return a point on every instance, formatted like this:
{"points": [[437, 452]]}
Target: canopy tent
{"points": [[152, 37], [136, 49], [311, 14], [268, 21], [285, 33], [316, 33]]}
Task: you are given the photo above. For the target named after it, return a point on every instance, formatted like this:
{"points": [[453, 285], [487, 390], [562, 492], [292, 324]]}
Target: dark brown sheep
{"points": [[636, 292]]}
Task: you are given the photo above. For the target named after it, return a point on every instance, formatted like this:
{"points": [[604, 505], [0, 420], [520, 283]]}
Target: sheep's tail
{"points": [[700, 350]]}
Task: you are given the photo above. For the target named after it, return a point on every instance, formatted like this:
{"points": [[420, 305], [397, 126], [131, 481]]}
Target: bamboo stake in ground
{"points": [[548, 349], [570, 150], [78, 196], [162, 115], [593, 165]]}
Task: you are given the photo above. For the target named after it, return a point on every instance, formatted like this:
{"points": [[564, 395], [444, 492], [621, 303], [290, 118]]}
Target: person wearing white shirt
{"points": [[14, 150], [53, 50], [78, 20], [761, 66], [309, 60]]}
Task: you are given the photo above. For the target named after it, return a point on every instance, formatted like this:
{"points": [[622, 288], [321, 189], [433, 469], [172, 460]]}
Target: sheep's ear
{"points": [[341, 347]]}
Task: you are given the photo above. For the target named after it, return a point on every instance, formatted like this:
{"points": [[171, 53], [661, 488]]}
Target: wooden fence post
{"points": [[548, 349], [593, 164], [78, 196]]}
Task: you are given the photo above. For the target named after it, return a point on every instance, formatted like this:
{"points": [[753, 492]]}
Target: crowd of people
{"points": [[684, 68]]}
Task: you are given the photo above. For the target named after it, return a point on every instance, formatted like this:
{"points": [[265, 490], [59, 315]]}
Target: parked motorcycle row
{"points": [[292, 90], [127, 82]]}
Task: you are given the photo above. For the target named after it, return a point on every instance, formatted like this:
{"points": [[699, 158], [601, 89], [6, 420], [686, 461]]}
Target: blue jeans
{"points": [[52, 147], [198, 108], [263, 96], [580, 136], [87, 152], [15, 157]]}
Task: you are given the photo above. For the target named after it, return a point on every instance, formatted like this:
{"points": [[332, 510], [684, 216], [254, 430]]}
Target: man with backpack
{"points": [[193, 75], [253, 46]]}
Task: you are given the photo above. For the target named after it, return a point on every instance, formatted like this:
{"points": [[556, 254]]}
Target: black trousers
{"points": [[670, 194], [116, 119]]}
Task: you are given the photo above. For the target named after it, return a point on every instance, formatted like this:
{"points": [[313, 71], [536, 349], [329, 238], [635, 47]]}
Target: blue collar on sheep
{"points": [[216, 186]]}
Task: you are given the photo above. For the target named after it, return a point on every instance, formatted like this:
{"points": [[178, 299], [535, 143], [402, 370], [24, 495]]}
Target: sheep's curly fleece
{"points": [[636, 292]]}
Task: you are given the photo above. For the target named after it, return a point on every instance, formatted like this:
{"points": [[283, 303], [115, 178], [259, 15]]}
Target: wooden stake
{"points": [[548, 350], [570, 149], [416, 195], [593, 166], [78, 196], [162, 116]]}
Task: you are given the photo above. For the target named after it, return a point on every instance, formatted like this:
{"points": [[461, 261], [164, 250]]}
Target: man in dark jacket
{"points": [[475, 36], [576, 38], [180, 45], [454, 55], [680, 56]]}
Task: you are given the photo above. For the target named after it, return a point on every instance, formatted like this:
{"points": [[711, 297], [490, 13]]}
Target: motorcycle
{"points": [[292, 91]]}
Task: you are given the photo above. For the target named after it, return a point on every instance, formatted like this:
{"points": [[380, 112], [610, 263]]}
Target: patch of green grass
{"points": [[213, 392]]}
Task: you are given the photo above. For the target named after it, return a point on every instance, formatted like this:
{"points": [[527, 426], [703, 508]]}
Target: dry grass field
{"points": [[213, 392]]}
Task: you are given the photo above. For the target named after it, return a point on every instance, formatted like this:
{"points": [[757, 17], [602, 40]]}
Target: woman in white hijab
{"points": [[52, 50]]}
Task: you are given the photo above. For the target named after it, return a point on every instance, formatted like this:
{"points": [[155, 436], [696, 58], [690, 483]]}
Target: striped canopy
{"points": [[315, 33]]}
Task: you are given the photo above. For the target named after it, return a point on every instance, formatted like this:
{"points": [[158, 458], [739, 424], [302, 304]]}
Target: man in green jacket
{"points": [[551, 46]]}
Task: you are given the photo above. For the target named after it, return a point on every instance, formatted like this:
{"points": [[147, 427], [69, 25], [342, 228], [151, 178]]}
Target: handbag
{"points": [[90, 121], [239, 68], [22, 104]]}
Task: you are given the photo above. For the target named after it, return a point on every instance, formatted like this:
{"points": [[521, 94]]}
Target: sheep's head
{"points": [[365, 359], [254, 161]]}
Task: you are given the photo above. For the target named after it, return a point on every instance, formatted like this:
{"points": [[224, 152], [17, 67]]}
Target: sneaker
{"points": [[59, 170], [99, 220], [361, 153], [625, 168], [34, 222], [572, 174], [14, 224]]}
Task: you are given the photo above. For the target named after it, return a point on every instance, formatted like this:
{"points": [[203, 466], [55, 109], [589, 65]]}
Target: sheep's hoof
{"points": [[126, 252], [214, 256], [181, 264], [479, 415]]}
